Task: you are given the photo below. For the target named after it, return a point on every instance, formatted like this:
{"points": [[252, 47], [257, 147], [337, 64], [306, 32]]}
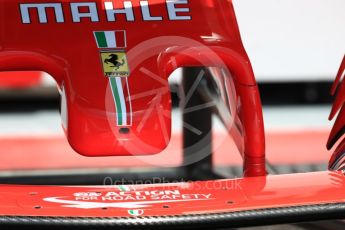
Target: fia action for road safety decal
{"points": [[133, 201], [112, 48]]}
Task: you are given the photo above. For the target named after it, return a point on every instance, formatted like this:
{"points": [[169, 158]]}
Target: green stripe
{"points": [[117, 100], [101, 40], [122, 188]]}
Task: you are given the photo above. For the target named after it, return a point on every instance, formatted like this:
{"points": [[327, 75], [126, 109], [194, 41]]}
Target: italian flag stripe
{"points": [[101, 39], [111, 39], [128, 101], [124, 188], [137, 212], [120, 89], [120, 38]]}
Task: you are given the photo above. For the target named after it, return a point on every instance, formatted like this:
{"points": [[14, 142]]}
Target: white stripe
{"points": [[122, 99], [110, 37], [63, 108]]}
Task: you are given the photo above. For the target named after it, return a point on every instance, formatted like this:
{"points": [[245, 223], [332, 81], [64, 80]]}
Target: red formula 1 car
{"points": [[111, 61]]}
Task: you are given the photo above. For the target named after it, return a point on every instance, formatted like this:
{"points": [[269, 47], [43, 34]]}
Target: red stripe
{"points": [[128, 102], [120, 39]]}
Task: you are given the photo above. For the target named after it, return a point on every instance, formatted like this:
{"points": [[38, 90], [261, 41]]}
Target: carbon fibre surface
{"points": [[202, 221]]}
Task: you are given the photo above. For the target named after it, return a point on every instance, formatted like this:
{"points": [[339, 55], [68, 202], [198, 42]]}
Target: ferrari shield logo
{"points": [[115, 63]]}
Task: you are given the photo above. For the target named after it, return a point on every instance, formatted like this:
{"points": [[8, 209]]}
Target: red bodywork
{"points": [[338, 130], [174, 199], [20, 80], [68, 51]]}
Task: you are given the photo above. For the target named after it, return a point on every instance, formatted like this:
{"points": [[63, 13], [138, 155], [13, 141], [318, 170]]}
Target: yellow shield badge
{"points": [[115, 63]]}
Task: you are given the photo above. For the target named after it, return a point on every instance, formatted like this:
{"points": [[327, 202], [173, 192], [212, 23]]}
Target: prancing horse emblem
{"points": [[114, 60], [115, 63]]}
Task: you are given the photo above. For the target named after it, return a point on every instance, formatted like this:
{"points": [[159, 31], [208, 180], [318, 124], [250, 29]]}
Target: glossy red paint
{"points": [[338, 90], [19, 80], [247, 93], [339, 77], [174, 199], [67, 50]]}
